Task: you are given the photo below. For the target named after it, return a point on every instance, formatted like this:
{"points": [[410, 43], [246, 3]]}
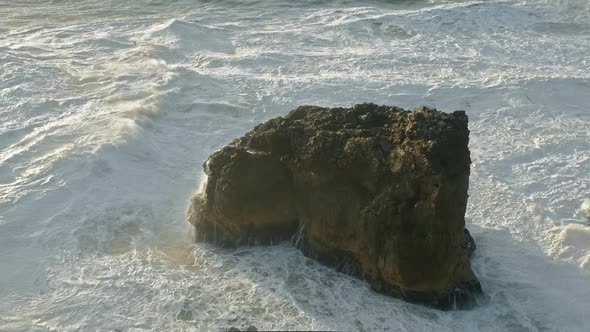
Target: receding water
{"points": [[109, 108]]}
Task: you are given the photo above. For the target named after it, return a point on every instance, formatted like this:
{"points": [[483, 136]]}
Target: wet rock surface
{"points": [[375, 191]]}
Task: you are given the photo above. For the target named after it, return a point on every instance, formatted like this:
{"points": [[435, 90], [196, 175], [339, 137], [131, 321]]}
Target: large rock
{"points": [[375, 191]]}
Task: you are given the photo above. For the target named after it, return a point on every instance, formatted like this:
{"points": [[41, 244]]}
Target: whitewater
{"points": [[109, 108]]}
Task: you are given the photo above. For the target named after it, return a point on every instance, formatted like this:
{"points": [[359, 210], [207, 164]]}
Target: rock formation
{"points": [[375, 191]]}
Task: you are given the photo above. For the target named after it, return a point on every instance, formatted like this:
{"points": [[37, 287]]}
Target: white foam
{"points": [[573, 244], [585, 208], [106, 116]]}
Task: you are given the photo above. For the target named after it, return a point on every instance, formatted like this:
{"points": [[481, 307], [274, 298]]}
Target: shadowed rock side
{"points": [[375, 191]]}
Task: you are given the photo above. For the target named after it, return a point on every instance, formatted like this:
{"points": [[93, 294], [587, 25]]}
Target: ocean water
{"points": [[109, 108]]}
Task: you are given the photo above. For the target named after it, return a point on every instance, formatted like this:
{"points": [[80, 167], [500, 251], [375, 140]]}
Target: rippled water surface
{"points": [[109, 108]]}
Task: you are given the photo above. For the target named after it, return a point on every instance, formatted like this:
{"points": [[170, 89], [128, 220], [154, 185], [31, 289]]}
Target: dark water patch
{"points": [[563, 28]]}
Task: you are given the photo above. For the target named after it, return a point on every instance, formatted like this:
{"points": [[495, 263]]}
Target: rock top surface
{"points": [[375, 191]]}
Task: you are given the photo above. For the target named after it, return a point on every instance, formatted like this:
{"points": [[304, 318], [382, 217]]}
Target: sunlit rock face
{"points": [[375, 191]]}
